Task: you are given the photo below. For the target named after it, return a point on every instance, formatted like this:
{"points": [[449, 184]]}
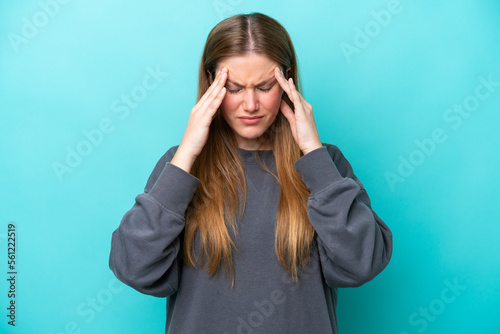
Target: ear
{"points": [[288, 73], [210, 79]]}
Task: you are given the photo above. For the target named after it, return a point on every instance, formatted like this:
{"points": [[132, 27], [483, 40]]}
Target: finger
{"points": [[218, 84], [298, 96], [215, 84], [287, 111], [217, 93], [281, 80], [214, 106], [214, 90], [295, 96], [215, 97]]}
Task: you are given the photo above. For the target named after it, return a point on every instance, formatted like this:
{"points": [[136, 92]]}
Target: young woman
{"points": [[251, 223]]}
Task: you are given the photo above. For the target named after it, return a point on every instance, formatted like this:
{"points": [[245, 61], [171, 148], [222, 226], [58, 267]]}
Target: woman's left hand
{"points": [[302, 121]]}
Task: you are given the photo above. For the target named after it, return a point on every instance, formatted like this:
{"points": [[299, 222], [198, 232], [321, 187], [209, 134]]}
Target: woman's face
{"points": [[252, 97]]}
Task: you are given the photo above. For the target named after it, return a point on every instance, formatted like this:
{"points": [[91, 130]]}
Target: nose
{"points": [[250, 102]]}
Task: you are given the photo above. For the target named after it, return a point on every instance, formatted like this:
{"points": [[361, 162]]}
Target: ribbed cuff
{"points": [[317, 169], [174, 188]]}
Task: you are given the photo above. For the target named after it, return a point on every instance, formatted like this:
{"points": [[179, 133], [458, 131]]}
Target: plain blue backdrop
{"points": [[92, 93]]}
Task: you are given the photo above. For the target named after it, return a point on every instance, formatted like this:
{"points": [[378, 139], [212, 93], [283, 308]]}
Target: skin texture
{"points": [[257, 94], [247, 86]]}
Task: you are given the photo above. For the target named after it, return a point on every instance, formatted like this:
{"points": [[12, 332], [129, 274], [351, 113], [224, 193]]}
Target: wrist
{"points": [[312, 148], [183, 160]]}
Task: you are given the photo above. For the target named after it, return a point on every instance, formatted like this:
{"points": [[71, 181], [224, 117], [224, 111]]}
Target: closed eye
{"points": [[234, 91], [265, 90]]}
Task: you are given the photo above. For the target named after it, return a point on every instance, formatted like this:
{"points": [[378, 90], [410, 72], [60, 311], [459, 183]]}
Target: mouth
{"points": [[250, 120]]}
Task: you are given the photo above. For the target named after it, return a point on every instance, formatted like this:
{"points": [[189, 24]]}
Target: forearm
{"points": [[146, 244], [354, 243], [183, 159]]}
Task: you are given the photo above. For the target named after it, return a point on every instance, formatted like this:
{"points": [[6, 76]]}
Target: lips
{"points": [[251, 120]]}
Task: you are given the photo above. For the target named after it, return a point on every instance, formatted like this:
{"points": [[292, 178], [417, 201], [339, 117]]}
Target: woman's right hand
{"points": [[201, 116]]}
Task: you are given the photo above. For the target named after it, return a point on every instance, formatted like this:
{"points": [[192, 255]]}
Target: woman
{"points": [[250, 224]]}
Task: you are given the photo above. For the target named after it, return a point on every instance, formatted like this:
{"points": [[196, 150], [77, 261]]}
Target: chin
{"points": [[250, 135]]}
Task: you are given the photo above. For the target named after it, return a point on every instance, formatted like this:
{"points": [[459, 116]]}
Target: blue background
{"points": [[379, 90]]}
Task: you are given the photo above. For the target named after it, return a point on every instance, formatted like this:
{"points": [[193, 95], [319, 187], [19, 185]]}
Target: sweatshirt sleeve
{"points": [[146, 244], [354, 244]]}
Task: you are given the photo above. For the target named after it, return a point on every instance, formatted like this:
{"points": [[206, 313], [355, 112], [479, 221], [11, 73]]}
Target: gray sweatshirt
{"points": [[353, 245]]}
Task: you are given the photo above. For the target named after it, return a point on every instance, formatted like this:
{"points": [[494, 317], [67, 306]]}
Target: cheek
{"points": [[271, 100], [229, 103]]}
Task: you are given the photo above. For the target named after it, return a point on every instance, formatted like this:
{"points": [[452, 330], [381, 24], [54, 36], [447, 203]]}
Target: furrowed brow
{"points": [[259, 84]]}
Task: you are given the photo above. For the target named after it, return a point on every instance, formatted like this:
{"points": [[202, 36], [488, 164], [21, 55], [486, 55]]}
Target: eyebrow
{"points": [[259, 84]]}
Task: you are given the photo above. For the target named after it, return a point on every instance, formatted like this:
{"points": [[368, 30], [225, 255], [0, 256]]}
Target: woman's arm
{"points": [[145, 246], [354, 244]]}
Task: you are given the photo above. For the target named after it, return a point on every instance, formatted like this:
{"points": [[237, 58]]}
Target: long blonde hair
{"points": [[219, 201]]}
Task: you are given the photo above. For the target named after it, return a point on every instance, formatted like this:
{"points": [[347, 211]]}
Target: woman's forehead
{"points": [[248, 69]]}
